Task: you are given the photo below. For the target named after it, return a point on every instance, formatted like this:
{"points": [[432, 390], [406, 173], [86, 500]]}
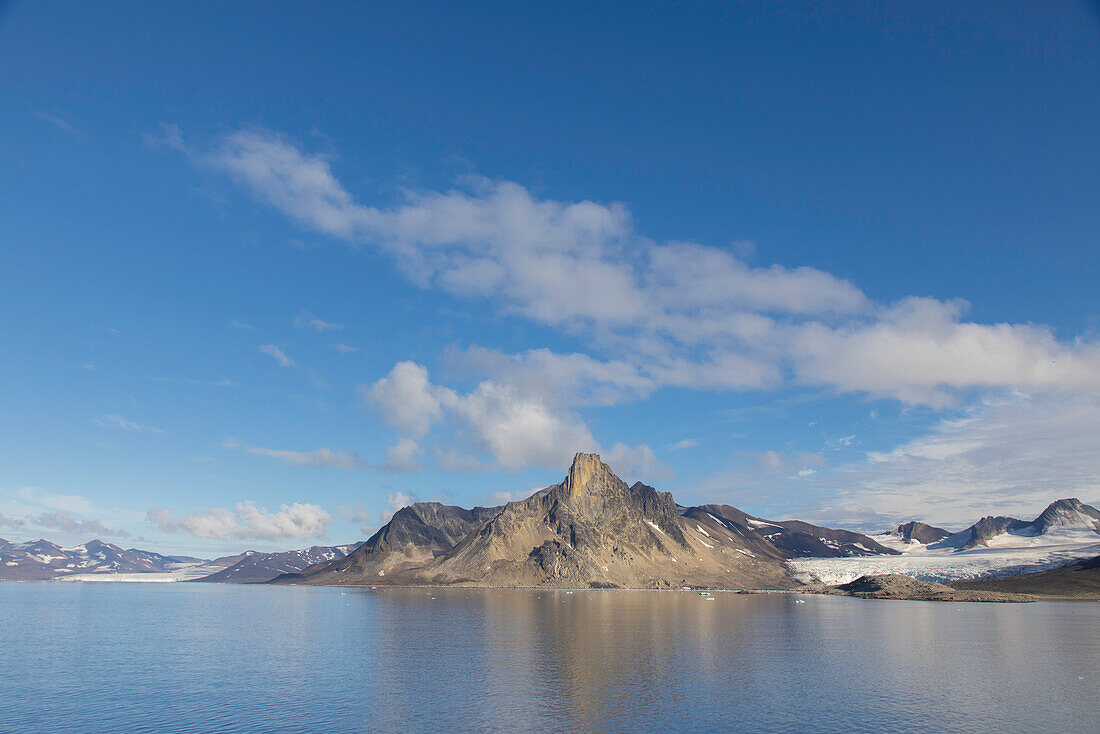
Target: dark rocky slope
{"points": [[253, 567], [896, 586], [919, 532], [791, 538], [1080, 580]]}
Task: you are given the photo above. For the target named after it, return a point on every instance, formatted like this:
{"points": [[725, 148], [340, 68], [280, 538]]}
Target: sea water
{"points": [[221, 658]]}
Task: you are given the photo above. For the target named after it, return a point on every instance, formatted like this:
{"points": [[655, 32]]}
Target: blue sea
{"points": [[178, 657]]}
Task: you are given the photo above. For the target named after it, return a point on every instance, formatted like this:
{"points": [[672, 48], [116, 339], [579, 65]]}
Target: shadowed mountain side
{"points": [[921, 533], [1080, 580], [791, 538], [252, 567], [591, 530], [414, 536]]}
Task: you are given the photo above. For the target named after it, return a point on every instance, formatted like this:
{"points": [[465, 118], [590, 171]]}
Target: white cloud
{"points": [[920, 352], [513, 418], [344, 348], [277, 354], [406, 399], [314, 458], [306, 320], [117, 421], [520, 430], [245, 521], [402, 457], [243, 326], [10, 523], [686, 443]]}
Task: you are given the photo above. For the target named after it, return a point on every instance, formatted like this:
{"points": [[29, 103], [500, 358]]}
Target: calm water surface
{"points": [[214, 658]]}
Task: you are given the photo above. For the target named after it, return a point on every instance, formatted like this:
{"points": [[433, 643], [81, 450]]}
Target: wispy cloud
{"points": [[245, 521], [306, 320], [314, 458], [682, 444], [344, 348], [58, 122], [117, 421], [243, 326], [1009, 455], [277, 354]]}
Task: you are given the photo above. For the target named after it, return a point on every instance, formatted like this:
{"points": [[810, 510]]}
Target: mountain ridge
{"points": [[591, 529]]}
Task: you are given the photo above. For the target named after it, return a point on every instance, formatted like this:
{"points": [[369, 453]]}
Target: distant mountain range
{"points": [[1059, 518], [253, 567], [995, 546], [592, 530], [41, 559]]}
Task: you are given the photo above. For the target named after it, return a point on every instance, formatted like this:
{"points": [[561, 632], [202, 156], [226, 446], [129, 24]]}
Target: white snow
{"points": [[10, 563], [700, 529], [761, 524], [184, 572], [706, 544], [44, 558], [654, 526], [745, 552], [119, 577]]}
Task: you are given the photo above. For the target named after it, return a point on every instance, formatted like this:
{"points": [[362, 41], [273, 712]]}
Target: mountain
{"points": [[1067, 514], [590, 530], [1063, 517], [41, 559], [253, 567], [791, 538], [1078, 580], [414, 536], [913, 532]]}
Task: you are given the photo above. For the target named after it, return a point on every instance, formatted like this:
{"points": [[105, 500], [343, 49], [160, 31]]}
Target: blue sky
{"points": [[269, 271]]}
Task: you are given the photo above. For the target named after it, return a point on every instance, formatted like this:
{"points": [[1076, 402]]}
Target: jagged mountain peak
{"points": [[1069, 513], [589, 475]]}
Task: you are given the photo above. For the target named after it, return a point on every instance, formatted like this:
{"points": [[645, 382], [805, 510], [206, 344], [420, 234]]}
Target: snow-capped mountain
{"points": [[255, 567], [41, 559], [994, 546], [1064, 518]]}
